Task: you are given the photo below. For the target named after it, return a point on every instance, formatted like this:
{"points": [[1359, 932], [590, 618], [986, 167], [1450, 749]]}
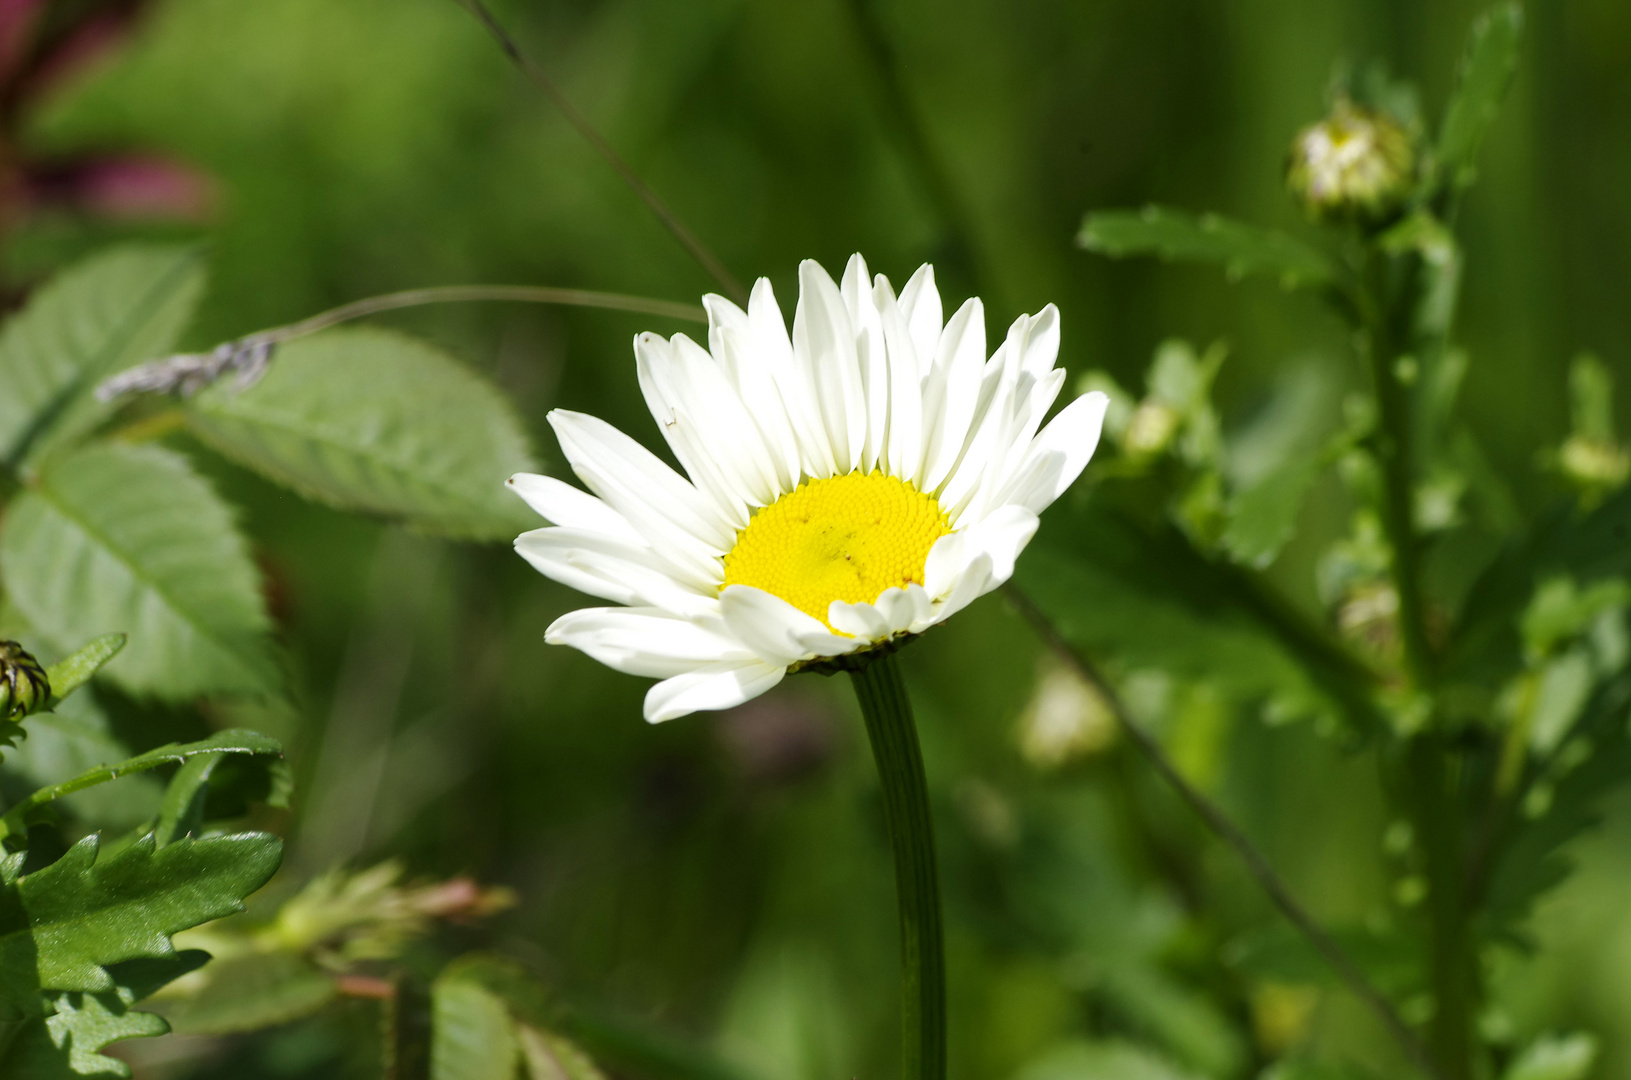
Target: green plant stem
{"points": [[1225, 829], [1432, 781], [890, 728], [1386, 330]]}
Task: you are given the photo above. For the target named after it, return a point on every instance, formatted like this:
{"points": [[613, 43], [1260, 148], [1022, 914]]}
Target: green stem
{"points": [[893, 734], [1387, 331], [1434, 796]]}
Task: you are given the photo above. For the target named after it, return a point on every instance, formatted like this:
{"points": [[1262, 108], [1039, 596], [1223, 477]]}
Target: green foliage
{"points": [[473, 1036], [70, 674], [249, 992], [1239, 248], [112, 311], [227, 742], [69, 1042], [130, 538], [1102, 1061], [379, 423], [1554, 1057], [1486, 73], [63, 928]]}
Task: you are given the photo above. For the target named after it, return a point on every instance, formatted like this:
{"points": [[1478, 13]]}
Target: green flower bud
{"points": [[1356, 164], [1594, 463], [23, 683]]}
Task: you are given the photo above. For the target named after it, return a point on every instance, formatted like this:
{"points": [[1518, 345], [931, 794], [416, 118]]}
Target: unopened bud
{"points": [[1594, 463], [23, 683], [1354, 164], [1151, 429]]}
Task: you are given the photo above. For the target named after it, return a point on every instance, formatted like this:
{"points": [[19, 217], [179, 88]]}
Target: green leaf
{"points": [[182, 810], [68, 1043], [1101, 1061], [245, 993], [73, 739], [473, 1037], [114, 310], [130, 538], [227, 742], [1263, 517], [1142, 596], [1532, 841], [62, 926], [1486, 73], [69, 675], [551, 1057], [1239, 248], [380, 423], [1554, 1057]]}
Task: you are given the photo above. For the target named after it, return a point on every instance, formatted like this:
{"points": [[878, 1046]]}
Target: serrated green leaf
{"points": [[114, 310], [1486, 73], [227, 742], [473, 1037], [245, 993], [70, 674], [69, 1042], [1145, 598], [75, 738], [1554, 1057], [380, 423], [1532, 842], [182, 809], [1239, 248], [131, 539], [62, 926]]}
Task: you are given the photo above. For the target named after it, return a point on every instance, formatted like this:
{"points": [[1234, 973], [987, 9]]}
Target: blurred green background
{"points": [[726, 877]]}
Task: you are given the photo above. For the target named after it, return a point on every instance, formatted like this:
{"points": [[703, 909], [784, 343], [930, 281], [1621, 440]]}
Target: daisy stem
{"points": [[893, 734]]}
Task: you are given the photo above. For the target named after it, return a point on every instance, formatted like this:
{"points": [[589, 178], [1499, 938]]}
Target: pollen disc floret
{"points": [[846, 538], [858, 480]]}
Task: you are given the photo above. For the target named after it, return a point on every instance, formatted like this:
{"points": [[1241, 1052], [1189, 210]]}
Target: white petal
{"points": [[725, 428], [824, 349], [975, 581], [947, 559], [730, 339], [920, 307], [771, 343], [562, 504], [872, 357], [775, 630], [1058, 455], [683, 423], [666, 510], [952, 390], [717, 686], [643, 641], [1001, 537], [607, 567], [904, 452], [859, 621], [906, 610]]}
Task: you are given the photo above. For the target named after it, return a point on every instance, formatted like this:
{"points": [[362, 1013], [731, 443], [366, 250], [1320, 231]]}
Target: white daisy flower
{"points": [[850, 485]]}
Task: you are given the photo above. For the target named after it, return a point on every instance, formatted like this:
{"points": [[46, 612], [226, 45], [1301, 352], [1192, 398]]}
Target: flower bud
{"points": [[1594, 463], [1356, 164], [23, 684]]}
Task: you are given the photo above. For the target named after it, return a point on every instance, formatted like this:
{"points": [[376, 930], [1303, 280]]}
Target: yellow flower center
{"points": [[845, 538]]}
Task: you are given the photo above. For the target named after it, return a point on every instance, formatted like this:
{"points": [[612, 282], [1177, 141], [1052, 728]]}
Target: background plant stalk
{"points": [[1429, 766], [893, 734]]}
